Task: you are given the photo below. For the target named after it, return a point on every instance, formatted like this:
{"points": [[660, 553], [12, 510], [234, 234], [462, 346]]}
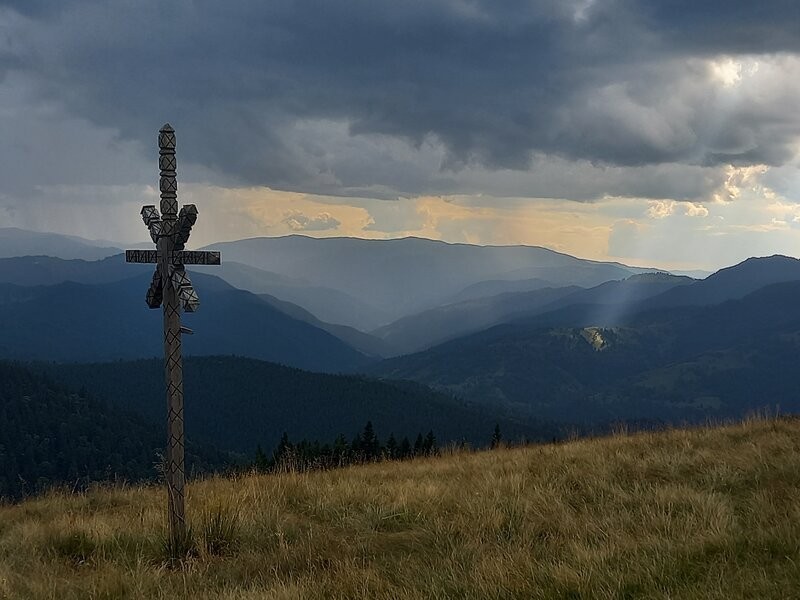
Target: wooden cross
{"points": [[171, 288]]}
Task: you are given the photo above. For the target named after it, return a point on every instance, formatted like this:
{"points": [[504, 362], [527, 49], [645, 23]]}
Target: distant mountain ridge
{"points": [[363, 342], [437, 325], [495, 287], [732, 282], [20, 242], [423, 330], [78, 322], [48, 270], [408, 275], [327, 304], [355, 282]]}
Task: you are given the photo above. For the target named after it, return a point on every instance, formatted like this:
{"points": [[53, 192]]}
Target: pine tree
{"points": [[405, 448], [419, 445], [497, 437], [341, 449], [391, 447], [429, 445], [370, 445], [356, 449], [284, 450], [261, 462]]}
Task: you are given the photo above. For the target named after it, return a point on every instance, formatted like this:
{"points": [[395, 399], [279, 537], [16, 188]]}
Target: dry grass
{"points": [[703, 513]]}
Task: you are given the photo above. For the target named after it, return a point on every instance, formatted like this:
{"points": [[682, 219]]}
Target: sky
{"points": [[659, 133]]}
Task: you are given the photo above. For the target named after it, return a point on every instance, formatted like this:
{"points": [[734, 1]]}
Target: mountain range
{"points": [[443, 323], [520, 333], [400, 277], [21, 242], [588, 362]]}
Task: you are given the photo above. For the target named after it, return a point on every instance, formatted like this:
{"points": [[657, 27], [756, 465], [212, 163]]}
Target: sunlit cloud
{"points": [[729, 72], [738, 179], [661, 209], [323, 221]]}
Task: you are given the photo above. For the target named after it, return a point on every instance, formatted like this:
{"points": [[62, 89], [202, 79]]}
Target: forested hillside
{"points": [[680, 364], [52, 435], [239, 404]]}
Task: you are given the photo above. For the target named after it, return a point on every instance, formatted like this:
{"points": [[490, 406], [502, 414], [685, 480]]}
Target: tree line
{"points": [[364, 447]]}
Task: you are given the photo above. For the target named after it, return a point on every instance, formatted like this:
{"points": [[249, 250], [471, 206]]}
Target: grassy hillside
{"points": [[704, 513]]}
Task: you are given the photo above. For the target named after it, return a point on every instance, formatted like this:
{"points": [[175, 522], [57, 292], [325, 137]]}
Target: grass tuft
{"points": [[220, 531], [76, 547], [176, 551]]}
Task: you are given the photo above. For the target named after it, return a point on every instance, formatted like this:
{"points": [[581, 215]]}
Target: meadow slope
{"points": [[698, 513]]}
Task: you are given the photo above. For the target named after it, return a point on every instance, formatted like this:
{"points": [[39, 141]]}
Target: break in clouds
{"points": [[571, 99]]}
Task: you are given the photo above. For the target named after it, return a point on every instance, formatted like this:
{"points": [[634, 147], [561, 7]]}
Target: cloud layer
{"points": [[404, 98], [476, 118]]}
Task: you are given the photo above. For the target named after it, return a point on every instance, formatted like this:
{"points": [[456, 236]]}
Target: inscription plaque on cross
{"points": [[172, 290]]}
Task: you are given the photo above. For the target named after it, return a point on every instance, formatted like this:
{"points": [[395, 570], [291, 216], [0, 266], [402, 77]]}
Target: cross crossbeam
{"points": [[172, 289], [179, 257]]}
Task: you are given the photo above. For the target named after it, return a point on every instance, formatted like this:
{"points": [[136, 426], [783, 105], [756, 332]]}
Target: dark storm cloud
{"points": [[736, 26], [253, 87]]}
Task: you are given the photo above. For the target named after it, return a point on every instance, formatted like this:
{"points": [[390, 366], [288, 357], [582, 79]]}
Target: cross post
{"points": [[172, 290]]}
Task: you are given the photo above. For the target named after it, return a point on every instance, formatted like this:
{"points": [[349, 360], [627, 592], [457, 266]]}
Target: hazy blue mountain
{"points": [[327, 304], [408, 275], [239, 403], [20, 242], [79, 322], [583, 273], [363, 342], [596, 373], [335, 305], [437, 325], [495, 287], [591, 309], [693, 273], [359, 283], [731, 283], [47, 270], [609, 301], [614, 301]]}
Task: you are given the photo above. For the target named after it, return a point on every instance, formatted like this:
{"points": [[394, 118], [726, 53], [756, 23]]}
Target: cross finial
{"points": [[168, 184]]}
